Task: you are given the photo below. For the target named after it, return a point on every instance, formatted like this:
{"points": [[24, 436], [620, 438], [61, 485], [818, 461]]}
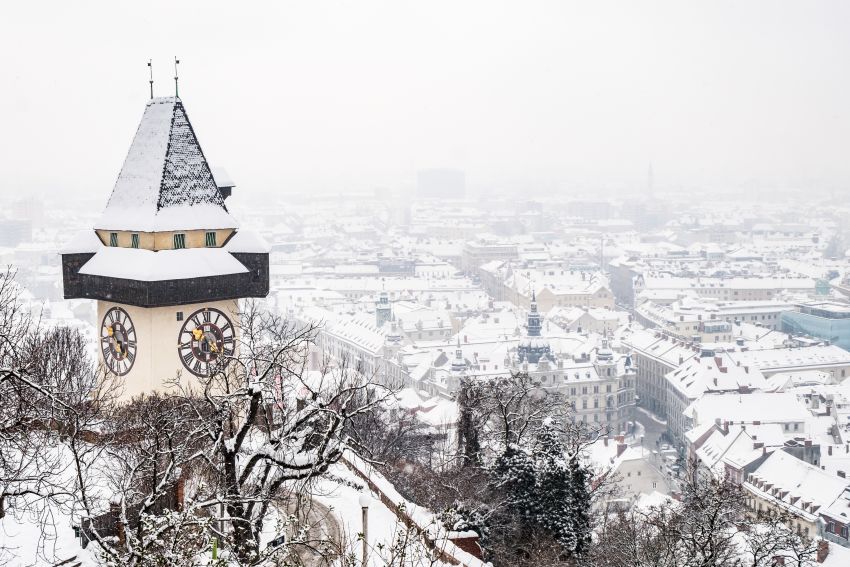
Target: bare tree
{"points": [[49, 390], [267, 424], [710, 527]]}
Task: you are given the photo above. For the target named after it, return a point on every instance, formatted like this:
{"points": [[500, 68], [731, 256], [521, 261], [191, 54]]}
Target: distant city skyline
{"points": [[341, 96]]}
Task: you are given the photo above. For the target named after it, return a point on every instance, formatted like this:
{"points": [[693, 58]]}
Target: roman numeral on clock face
{"points": [[205, 336], [118, 341]]}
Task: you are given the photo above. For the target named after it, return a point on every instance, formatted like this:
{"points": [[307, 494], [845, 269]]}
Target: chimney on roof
{"points": [[621, 448], [829, 450], [758, 445], [605, 441], [808, 443], [842, 474], [725, 428], [823, 550]]}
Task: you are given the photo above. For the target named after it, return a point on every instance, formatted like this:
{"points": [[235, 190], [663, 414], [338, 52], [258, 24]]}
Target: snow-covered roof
{"points": [[698, 375], [149, 266], [247, 241], [222, 178], [748, 408], [165, 183], [83, 242], [784, 478], [792, 359]]}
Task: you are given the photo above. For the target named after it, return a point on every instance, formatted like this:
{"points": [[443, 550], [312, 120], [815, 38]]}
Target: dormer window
{"points": [[210, 239], [113, 239], [179, 241], [134, 240]]}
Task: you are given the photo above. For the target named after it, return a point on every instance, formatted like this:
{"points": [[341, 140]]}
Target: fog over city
{"points": [[336, 96], [425, 284]]}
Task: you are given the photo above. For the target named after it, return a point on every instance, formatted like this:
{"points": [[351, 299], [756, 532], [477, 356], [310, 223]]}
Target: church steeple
{"points": [[533, 347], [534, 324]]}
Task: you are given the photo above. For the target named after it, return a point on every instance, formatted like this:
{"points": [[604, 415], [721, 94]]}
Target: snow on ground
{"points": [[652, 416], [340, 495], [341, 491], [41, 538]]}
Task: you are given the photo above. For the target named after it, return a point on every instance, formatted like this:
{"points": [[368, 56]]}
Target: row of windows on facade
{"points": [[597, 418], [596, 402], [178, 242], [801, 530]]}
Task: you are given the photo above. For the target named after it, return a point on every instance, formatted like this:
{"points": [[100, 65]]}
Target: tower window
{"points": [[134, 240], [179, 315], [179, 241], [210, 240], [113, 239]]}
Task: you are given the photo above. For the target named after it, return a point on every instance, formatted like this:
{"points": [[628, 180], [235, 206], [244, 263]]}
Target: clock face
{"points": [[118, 341], [206, 335]]}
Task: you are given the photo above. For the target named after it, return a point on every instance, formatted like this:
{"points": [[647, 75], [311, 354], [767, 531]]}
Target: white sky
{"points": [[537, 96]]}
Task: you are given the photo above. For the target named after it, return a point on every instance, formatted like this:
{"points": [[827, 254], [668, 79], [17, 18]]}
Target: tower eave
{"points": [[252, 282]]}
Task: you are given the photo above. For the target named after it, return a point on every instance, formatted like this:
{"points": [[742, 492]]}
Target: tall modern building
{"points": [[166, 262]]}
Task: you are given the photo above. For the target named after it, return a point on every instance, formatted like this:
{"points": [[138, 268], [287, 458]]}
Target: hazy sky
{"points": [[312, 95]]}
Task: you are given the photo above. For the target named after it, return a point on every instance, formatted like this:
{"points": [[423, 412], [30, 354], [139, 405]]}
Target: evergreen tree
{"points": [[468, 428], [553, 490], [580, 503], [514, 476]]}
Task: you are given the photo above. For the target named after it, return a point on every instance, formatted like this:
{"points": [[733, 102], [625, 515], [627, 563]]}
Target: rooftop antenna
{"points": [[150, 69], [176, 91]]}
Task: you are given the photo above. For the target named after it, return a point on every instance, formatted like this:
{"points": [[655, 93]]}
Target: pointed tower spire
{"points": [[166, 183]]}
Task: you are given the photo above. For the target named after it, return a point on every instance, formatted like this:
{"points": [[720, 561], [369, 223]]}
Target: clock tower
{"points": [[166, 261]]}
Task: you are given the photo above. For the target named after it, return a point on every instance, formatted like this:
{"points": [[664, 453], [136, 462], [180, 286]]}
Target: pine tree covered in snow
{"points": [[543, 488], [553, 485], [514, 476], [580, 505]]}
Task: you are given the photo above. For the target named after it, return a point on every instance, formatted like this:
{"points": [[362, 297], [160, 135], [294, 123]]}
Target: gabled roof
{"points": [[165, 183]]}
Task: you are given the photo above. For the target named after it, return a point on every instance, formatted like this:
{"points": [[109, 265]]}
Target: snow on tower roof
{"points": [[165, 183], [147, 265], [248, 241], [83, 242]]}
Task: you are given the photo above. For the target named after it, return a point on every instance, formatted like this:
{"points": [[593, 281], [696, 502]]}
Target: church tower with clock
{"points": [[166, 261]]}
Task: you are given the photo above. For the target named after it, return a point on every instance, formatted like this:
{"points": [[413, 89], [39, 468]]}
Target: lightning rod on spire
{"points": [[150, 69], [176, 63]]}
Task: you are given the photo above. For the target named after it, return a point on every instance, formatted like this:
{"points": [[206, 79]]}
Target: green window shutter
{"points": [[134, 241], [113, 239], [210, 239], [179, 241]]}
